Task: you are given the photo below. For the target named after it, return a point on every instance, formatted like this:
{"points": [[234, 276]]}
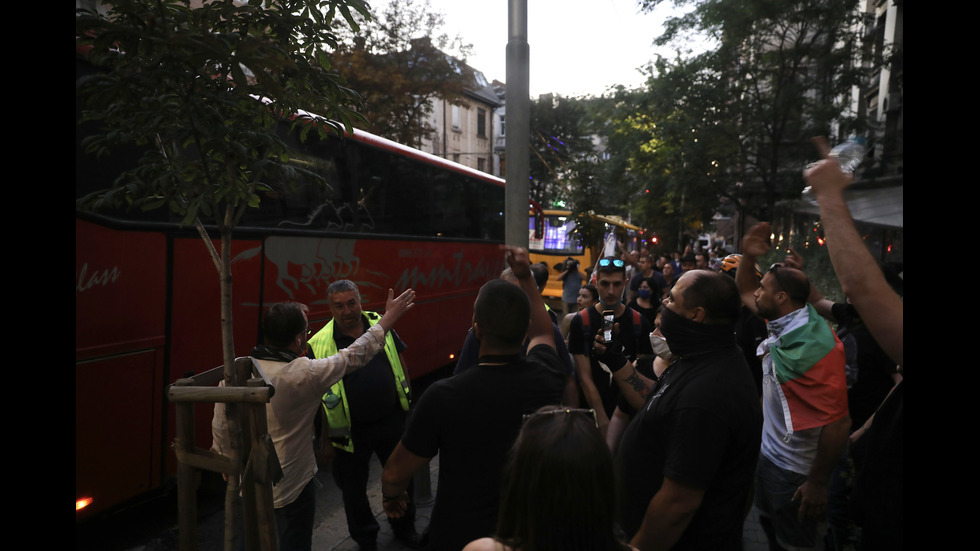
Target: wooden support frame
{"points": [[260, 465]]}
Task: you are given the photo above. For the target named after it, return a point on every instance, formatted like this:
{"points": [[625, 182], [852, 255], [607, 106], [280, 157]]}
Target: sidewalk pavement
{"points": [[330, 528]]}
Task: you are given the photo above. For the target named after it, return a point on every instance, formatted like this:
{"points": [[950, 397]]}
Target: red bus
{"points": [[147, 301]]}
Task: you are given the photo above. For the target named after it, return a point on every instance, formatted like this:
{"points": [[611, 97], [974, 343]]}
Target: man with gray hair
{"points": [[366, 412]]}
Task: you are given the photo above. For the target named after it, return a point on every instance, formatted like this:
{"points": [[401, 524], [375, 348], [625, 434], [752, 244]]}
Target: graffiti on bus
{"points": [[348, 216], [304, 267], [319, 261], [440, 275]]}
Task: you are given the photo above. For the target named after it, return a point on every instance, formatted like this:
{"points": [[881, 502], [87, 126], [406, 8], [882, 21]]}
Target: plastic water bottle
{"points": [[849, 154]]}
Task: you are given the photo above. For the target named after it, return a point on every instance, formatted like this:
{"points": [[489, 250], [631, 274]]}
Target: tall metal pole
{"points": [[518, 125]]}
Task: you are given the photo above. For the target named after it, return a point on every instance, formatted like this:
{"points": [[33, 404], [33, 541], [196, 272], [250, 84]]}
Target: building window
{"points": [[503, 126], [481, 123], [481, 164], [456, 125]]}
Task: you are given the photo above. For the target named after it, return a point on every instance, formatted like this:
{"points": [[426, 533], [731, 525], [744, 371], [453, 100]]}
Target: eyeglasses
{"points": [[614, 261], [590, 412]]}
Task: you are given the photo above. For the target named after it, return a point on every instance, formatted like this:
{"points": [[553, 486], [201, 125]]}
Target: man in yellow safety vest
{"points": [[366, 412]]}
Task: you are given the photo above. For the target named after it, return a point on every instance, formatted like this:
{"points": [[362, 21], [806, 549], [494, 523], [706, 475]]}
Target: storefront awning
{"points": [[877, 206]]}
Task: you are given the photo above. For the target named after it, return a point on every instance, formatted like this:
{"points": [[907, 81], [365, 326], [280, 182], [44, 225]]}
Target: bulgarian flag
{"points": [[809, 364]]}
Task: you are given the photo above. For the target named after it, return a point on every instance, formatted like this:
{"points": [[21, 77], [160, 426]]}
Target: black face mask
{"points": [[686, 337]]}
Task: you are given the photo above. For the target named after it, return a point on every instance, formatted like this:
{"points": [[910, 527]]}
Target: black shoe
{"points": [[409, 537], [368, 546]]}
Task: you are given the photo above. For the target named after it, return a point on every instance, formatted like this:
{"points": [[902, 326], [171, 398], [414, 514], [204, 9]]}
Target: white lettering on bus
{"points": [[457, 275], [84, 281]]}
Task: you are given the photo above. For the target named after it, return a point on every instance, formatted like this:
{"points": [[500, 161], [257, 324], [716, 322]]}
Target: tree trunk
{"points": [[232, 509]]}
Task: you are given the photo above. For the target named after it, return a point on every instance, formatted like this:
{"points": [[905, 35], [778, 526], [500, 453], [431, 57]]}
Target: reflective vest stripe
{"points": [[324, 345]]}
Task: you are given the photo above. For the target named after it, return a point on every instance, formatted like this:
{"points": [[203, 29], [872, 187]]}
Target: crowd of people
{"points": [[670, 396]]}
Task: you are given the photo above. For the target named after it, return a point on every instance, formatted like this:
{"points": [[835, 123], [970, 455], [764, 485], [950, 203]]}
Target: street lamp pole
{"points": [[518, 105]]}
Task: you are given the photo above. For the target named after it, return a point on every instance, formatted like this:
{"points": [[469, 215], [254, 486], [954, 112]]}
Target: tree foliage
{"points": [[203, 92], [572, 163], [734, 122], [559, 142], [400, 61]]}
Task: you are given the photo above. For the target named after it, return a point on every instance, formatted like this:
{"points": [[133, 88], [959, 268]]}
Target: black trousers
{"points": [[351, 471]]}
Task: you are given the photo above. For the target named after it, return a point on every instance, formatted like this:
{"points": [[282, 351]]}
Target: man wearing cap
{"points": [[804, 391]]}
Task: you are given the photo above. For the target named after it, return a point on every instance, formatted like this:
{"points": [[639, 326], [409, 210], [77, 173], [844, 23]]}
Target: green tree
{"points": [[678, 138], [779, 74], [203, 92], [399, 62], [559, 142]]}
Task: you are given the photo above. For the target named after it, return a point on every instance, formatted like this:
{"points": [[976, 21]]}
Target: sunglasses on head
{"points": [[611, 261], [589, 412]]}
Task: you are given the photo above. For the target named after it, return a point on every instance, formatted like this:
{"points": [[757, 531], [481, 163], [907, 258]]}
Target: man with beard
{"points": [[689, 455], [804, 393]]}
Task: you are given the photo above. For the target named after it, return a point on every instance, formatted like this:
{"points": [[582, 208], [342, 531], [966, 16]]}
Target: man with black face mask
{"points": [[689, 456]]}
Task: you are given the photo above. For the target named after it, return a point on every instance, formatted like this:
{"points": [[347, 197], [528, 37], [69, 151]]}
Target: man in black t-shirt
{"points": [[472, 419], [633, 333], [688, 458]]}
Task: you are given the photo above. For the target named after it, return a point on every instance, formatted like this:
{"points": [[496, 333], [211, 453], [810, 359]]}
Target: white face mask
{"points": [[659, 345]]}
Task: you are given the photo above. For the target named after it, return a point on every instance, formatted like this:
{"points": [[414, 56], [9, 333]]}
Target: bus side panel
{"points": [[120, 301], [446, 277], [196, 320], [120, 290], [116, 438]]}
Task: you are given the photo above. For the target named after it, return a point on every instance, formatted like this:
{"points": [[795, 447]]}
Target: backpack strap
{"points": [[637, 324], [586, 316]]}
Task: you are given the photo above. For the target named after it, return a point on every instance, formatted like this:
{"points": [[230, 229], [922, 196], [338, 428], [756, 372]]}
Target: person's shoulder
{"points": [[632, 314], [543, 359], [581, 317], [441, 394]]}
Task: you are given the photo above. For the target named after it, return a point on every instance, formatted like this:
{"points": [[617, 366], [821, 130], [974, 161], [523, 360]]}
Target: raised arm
{"points": [[880, 307], [541, 331], [754, 245], [395, 308]]}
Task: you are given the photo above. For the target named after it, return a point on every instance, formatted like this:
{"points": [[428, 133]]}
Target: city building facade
{"points": [[464, 132]]}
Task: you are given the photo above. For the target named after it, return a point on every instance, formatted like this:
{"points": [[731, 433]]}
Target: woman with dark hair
{"points": [[559, 491], [647, 299], [588, 295]]}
